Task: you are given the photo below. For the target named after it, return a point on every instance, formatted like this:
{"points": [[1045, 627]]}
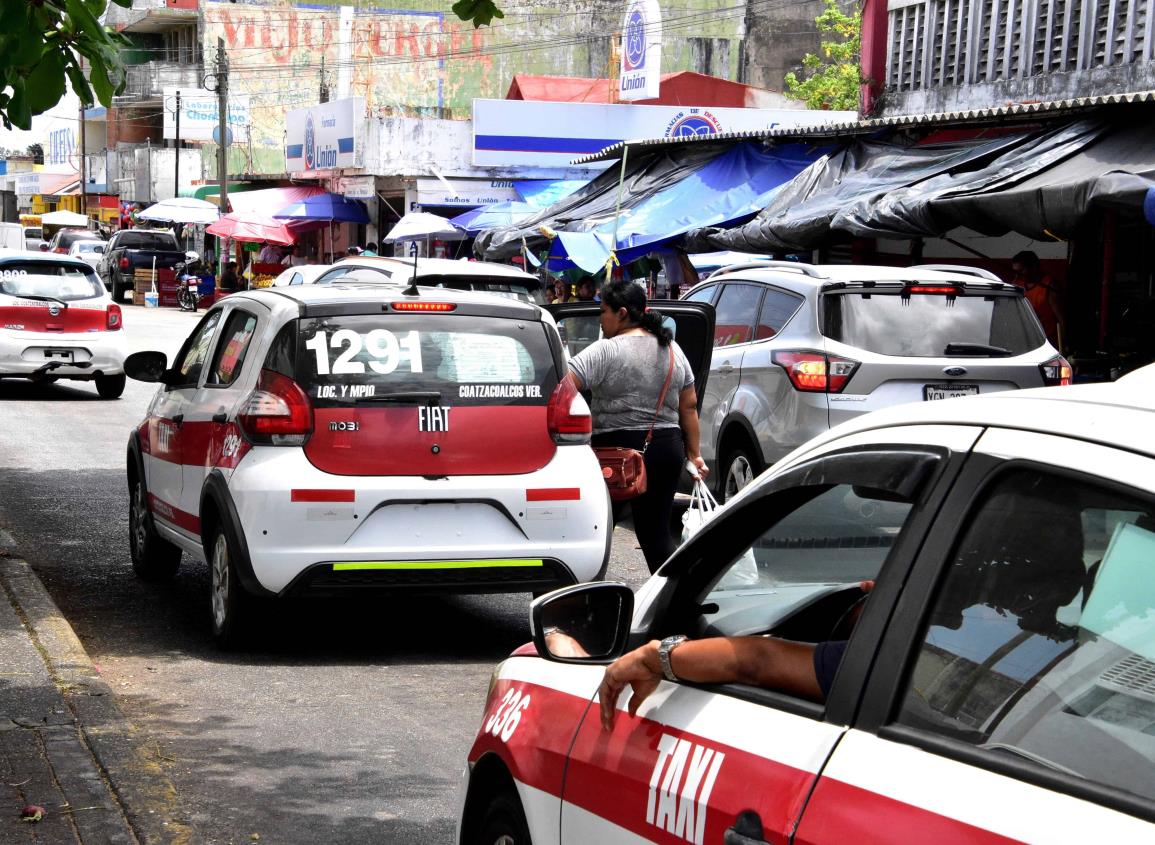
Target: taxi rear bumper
{"points": [[72, 356]]}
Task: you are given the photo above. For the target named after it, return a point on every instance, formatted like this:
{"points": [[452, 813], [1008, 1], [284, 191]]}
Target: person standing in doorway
{"points": [[1042, 293], [370, 249], [626, 372]]}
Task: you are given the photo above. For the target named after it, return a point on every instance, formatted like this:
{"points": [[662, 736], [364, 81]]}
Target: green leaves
{"points": [[832, 79], [42, 47], [481, 12]]}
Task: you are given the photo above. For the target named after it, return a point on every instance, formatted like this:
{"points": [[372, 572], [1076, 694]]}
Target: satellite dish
{"points": [[217, 136]]}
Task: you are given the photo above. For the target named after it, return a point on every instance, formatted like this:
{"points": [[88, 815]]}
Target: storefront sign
{"points": [[565, 131], [199, 115], [325, 137], [357, 187], [27, 185], [641, 67], [61, 143], [464, 193]]}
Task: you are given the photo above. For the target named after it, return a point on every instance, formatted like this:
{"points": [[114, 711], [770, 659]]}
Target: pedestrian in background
{"points": [[370, 249], [625, 373], [1041, 292]]}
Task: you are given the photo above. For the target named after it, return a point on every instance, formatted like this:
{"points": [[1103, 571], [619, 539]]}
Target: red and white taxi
{"points": [[58, 322], [999, 685]]}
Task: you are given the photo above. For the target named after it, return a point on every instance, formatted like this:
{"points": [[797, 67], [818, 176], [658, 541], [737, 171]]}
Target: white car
{"points": [[58, 322], [88, 251], [304, 274], [333, 439], [502, 279], [999, 685]]}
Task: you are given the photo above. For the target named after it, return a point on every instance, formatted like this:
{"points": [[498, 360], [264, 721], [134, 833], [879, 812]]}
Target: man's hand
{"points": [[638, 669]]}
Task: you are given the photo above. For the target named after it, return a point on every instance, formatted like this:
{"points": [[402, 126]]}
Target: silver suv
{"points": [[799, 348]]}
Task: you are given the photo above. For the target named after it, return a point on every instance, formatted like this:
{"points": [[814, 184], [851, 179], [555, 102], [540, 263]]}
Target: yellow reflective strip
{"points": [[434, 564]]}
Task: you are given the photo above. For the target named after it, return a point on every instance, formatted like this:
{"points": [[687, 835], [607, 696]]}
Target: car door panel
{"points": [[162, 458]]}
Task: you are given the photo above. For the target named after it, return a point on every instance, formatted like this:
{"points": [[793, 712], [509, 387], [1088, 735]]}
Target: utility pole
{"points": [[324, 94], [223, 131], [176, 172], [83, 174]]}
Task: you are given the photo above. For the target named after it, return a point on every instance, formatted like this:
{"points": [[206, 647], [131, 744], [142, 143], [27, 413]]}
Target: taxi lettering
{"points": [[680, 787], [164, 434]]}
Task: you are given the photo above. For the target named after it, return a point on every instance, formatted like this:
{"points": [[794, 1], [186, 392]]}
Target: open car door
{"points": [[693, 330]]}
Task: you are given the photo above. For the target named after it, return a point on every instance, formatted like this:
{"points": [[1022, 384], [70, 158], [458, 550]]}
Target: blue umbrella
{"points": [[331, 207], [508, 213]]}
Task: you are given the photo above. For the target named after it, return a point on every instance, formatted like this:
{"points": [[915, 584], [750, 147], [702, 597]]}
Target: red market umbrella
{"points": [[247, 226]]}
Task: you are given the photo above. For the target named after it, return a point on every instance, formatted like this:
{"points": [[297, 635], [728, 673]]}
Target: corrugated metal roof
{"points": [[859, 127]]}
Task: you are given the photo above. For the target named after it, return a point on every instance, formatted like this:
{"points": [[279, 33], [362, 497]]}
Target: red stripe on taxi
{"points": [[174, 516], [553, 494], [323, 495]]}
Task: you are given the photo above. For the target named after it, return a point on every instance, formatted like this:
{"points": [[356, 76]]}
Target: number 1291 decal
{"points": [[385, 349]]}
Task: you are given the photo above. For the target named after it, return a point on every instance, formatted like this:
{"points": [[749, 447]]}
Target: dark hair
{"points": [[371, 245], [631, 296], [1027, 258]]}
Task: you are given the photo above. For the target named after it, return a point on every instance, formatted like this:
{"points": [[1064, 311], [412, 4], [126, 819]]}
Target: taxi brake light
{"points": [[423, 306], [1057, 372], [277, 412], [113, 318], [815, 372], [568, 416], [949, 290]]}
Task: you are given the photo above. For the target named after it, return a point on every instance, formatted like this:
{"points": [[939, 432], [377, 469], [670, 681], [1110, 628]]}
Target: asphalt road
{"points": [[346, 722]]}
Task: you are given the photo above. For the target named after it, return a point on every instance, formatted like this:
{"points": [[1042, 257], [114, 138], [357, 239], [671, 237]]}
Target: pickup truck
{"points": [[132, 249]]}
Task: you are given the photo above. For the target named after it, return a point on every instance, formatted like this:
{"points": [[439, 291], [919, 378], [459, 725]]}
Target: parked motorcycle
{"points": [[188, 284]]}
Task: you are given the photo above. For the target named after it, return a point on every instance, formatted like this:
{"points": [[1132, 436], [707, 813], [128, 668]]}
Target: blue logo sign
{"points": [[635, 39], [695, 124], [310, 143]]}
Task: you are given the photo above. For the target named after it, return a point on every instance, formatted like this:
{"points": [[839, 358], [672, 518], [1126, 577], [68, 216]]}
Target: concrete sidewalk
{"points": [[64, 744]]}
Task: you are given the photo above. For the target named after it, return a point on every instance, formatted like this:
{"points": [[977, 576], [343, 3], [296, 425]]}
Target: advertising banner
{"points": [[527, 132], [325, 137], [27, 185], [641, 49], [465, 193], [357, 187], [199, 118]]}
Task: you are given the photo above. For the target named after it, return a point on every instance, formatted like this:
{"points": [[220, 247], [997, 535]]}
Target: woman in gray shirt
{"points": [[625, 372]]}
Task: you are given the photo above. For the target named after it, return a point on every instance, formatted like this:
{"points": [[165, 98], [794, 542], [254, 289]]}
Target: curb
{"points": [[145, 794]]}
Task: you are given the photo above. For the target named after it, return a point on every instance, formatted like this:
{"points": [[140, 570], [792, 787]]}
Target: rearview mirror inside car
{"points": [[146, 366], [587, 623]]}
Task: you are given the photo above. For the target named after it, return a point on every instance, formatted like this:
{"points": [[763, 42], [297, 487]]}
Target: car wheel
{"points": [[117, 288], [231, 605], [153, 557], [504, 822], [110, 387], [739, 468]]}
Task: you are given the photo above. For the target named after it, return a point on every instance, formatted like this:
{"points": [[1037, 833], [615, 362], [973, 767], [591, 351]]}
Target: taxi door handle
{"points": [[747, 830], [221, 418], [725, 367], [178, 419]]}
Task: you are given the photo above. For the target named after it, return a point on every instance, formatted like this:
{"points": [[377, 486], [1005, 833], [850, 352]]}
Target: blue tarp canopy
{"points": [[542, 193], [508, 213], [664, 195]]}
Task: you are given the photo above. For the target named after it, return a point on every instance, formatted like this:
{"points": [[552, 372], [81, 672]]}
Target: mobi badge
{"points": [[641, 51]]}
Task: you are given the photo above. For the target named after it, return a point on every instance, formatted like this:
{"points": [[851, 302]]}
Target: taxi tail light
{"points": [[1056, 372], [61, 250], [568, 416], [123, 262], [113, 318], [277, 413], [816, 372]]}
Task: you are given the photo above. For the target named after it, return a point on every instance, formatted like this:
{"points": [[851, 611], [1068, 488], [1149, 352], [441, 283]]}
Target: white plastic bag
{"points": [[702, 508]]}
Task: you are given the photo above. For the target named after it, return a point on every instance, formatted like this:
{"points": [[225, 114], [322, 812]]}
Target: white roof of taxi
{"points": [[24, 255], [1120, 413], [353, 293], [438, 266]]}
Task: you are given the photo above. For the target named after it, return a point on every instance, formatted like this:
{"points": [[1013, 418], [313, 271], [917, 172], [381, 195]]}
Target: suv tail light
{"points": [[816, 372], [61, 250], [568, 416], [277, 413], [123, 262], [1056, 372], [113, 318]]}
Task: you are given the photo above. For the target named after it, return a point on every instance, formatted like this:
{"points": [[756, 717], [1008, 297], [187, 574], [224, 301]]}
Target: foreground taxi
{"points": [[998, 686], [58, 322]]}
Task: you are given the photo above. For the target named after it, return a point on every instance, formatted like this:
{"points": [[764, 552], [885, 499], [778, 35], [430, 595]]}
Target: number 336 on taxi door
{"points": [[507, 716]]}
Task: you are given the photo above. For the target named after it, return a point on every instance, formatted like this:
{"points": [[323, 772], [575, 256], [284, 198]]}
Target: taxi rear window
{"points": [[37, 279], [408, 359]]}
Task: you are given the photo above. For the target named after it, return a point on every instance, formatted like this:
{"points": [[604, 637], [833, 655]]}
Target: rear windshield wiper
{"points": [[974, 349], [39, 298], [410, 397]]}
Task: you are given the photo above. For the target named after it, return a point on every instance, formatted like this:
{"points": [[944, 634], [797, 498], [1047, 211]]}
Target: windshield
{"points": [[64, 282], [925, 325], [147, 240], [89, 246]]}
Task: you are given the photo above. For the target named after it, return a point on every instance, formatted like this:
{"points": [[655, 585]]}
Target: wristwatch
{"points": [[665, 647]]}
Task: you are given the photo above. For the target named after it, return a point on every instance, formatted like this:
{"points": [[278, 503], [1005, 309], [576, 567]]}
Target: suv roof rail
{"points": [[795, 266], [961, 268]]}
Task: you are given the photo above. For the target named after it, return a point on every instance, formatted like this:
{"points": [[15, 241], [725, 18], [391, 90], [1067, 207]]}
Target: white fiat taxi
{"points": [[58, 322], [997, 684], [333, 439]]}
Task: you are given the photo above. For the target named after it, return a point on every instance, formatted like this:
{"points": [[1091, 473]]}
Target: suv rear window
{"points": [[64, 282], [923, 325], [147, 240], [408, 359]]}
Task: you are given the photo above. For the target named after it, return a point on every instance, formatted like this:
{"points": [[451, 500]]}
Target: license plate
{"points": [[58, 355], [933, 392]]}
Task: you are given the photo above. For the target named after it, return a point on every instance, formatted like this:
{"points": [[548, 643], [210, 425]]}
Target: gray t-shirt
{"points": [[625, 375]]}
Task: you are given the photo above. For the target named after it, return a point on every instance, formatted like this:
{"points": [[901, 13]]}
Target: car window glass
{"points": [[777, 308], [196, 348], [63, 282], [578, 331], [1040, 643], [702, 294], [794, 571], [296, 279], [734, 322], [231, 349]]}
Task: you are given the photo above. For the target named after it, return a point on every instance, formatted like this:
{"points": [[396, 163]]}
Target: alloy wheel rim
{"points": [[740, 474], [220, 579], [139, 518]]}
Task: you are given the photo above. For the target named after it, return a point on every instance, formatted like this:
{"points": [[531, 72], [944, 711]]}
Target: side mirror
{"points": [[146, 366], [586, 623]]}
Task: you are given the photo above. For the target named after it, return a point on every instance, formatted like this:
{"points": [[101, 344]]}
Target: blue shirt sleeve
{"points": [[827, 656]]}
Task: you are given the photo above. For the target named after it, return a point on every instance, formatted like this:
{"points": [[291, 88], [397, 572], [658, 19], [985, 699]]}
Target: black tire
{"points": [[117, 288], [110, 387], [153, 557], [504, 822], [739, 467], [230, 605]]}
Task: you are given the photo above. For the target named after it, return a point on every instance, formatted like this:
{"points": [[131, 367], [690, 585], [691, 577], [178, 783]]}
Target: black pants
{"points": [[652, 510]]}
